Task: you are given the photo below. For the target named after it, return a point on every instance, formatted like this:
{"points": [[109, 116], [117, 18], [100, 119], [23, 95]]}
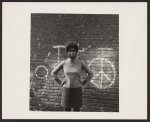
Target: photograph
{"points": [[74, 62]]}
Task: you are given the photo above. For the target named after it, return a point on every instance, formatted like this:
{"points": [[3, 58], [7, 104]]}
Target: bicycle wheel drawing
{"points": [[41, 72], [104, 73]]}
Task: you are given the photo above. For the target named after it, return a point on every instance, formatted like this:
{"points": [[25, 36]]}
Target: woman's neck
{"points": [[72, 60]]}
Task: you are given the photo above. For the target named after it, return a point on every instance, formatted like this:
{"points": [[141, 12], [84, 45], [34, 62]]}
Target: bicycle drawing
{"points": [[103, 68]]}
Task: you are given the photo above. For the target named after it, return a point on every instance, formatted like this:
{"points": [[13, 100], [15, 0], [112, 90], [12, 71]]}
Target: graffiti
{"points": [[102, 78], [41, 72], [103, 68], [58, 47]]}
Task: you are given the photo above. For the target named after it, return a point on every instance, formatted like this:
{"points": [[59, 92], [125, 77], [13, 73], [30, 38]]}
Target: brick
{"points": [[50, 91], [44, 99], [56, 91], [55, 87], [99, 31]]}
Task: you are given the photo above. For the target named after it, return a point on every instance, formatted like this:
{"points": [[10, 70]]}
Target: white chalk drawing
{"points": [[58, 47], [102, 78], [41, 72]]}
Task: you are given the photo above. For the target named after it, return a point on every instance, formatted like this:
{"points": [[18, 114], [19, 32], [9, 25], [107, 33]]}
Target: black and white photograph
{"points": [[74, 60], [85, 80]]}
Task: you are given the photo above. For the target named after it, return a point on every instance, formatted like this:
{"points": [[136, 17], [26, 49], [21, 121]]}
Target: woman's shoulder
{"points": [[61, 63], [65, 61]]}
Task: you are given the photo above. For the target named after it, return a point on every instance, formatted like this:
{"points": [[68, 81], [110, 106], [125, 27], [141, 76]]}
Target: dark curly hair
{"points": [[72, 44]]}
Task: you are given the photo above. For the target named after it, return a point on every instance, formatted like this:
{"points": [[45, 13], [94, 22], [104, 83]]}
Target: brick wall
{"points": [[98, 32]]}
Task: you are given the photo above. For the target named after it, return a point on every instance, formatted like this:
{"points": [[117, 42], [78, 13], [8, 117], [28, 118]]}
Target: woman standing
{"points": [[72, 86]]}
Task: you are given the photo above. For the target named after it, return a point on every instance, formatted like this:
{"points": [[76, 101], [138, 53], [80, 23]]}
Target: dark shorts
{"points": [[71, 97]]}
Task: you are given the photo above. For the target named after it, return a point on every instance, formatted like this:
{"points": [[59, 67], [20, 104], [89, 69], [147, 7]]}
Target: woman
{"points": [[72, 86]]}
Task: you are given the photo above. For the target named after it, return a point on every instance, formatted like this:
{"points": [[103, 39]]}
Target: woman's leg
{"points": [[67, 109], [76, 109]]}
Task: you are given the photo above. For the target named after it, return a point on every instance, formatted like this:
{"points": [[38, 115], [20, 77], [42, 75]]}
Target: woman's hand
{"points": [[84, 82], [63, 82]]}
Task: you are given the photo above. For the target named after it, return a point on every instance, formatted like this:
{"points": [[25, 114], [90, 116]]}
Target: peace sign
{"points": [[104, 72]]}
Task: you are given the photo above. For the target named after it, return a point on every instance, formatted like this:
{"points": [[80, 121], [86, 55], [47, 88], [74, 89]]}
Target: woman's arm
{"points": [[55, 71], [88, 71]]}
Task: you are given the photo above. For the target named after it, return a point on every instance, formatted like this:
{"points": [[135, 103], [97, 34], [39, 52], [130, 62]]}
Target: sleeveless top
{"points": [[72, 71]]}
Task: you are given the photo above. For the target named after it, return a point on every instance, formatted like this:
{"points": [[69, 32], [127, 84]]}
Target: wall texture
{"points": [[99, 34]]}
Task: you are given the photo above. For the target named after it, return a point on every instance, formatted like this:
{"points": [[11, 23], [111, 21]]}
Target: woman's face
{"points": [[72, 53]]}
